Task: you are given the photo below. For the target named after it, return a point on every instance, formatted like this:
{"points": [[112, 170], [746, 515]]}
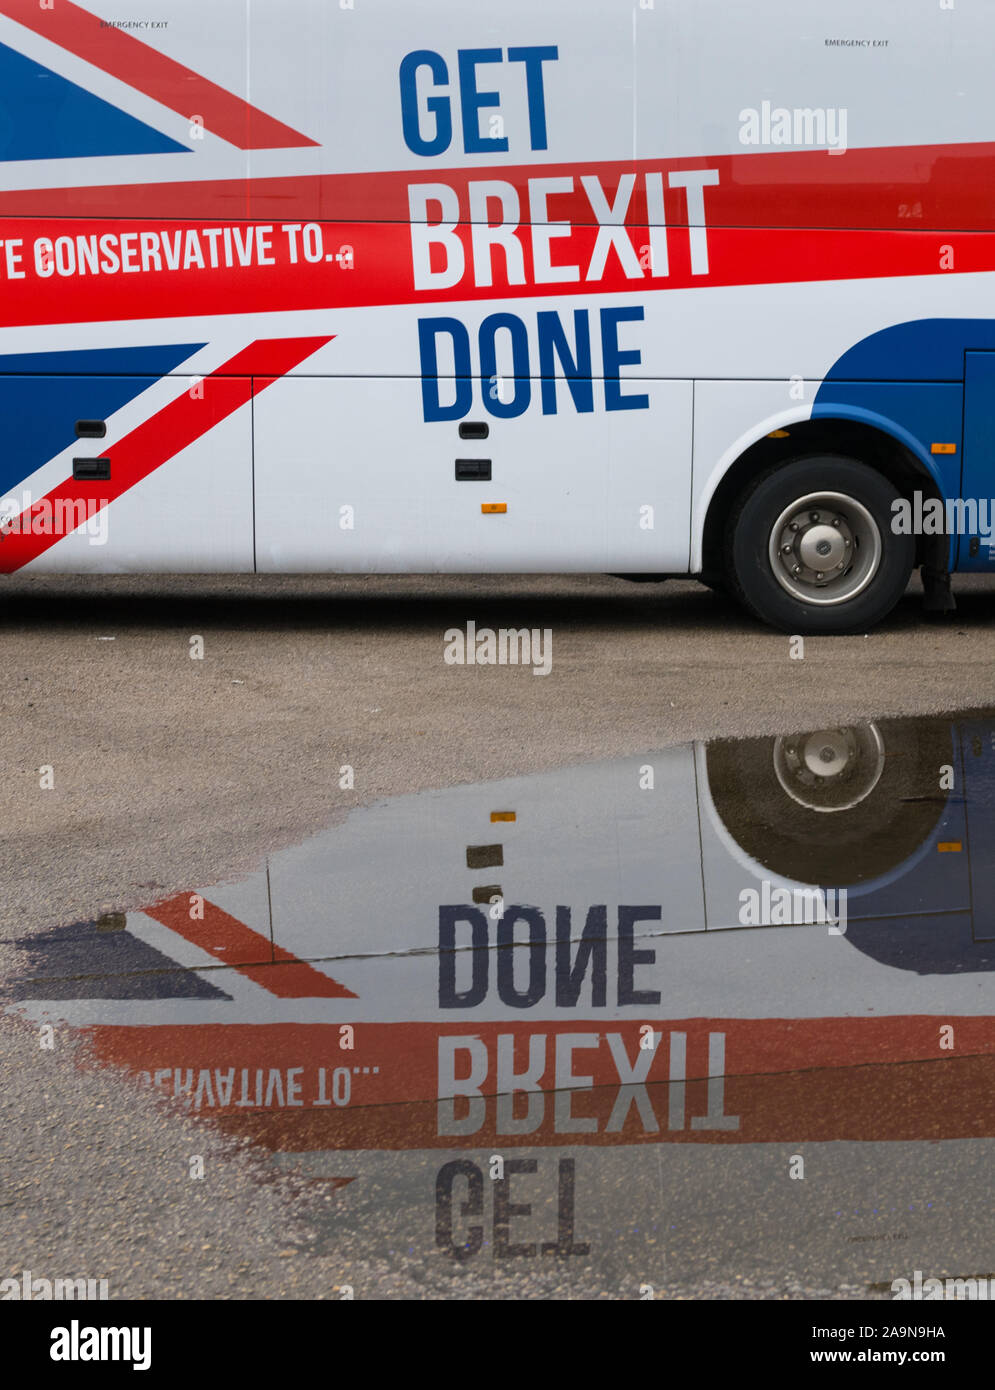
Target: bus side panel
{"points": [[190, 509], [88, 125], [976, 547], [350, 477], [340, 75], [701, 70]]}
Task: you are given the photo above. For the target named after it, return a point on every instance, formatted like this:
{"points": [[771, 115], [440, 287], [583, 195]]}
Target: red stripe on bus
{"points": [[156, 440], [381, 270], [893, 187]]}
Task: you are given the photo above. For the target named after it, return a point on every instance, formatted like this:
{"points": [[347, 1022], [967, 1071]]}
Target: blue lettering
{"points": [[428, 331], [438, 106], [553, 344], [472, 101], [519, 403], [533, 58], [612, 358], [559, 358]]}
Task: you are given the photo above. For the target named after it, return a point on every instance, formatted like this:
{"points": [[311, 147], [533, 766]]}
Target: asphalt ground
{"points": [[169, 771]]}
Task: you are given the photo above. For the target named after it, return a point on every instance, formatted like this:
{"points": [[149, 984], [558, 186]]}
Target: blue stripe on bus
{"points": [[45, 116], [43, 394], [921, 350]]}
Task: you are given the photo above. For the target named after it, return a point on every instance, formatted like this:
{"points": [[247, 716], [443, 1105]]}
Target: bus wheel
{"points": [[811, 547]]}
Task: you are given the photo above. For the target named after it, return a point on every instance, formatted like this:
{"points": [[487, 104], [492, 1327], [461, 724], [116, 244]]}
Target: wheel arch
{"points": [[874, 440]]}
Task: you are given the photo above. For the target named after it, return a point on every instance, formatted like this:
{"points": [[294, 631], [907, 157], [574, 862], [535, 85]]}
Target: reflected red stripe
{"points": [[233, 943], [785, 1079]]}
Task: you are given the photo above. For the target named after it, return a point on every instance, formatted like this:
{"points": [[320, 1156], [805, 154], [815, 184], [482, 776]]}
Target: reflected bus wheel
{"points": [[836, 806]]}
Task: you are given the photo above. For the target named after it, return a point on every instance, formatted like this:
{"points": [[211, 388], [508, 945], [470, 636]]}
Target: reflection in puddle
{"points": [[476, 1008]]}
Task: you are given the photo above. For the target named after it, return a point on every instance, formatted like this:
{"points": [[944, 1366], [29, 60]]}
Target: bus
{"points": [[638, 287]]}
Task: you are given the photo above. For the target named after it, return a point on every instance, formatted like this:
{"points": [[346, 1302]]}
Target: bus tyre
{"points": [[811, 547]]}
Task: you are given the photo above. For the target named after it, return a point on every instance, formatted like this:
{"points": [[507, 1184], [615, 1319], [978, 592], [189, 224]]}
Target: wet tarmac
{"points": [[710, 1020]]}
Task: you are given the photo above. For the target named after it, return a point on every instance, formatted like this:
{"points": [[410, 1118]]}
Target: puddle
{"points": [[602, 1012]]}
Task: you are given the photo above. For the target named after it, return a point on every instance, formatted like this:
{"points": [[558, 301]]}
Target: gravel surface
{"points": [[170, 771]]}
